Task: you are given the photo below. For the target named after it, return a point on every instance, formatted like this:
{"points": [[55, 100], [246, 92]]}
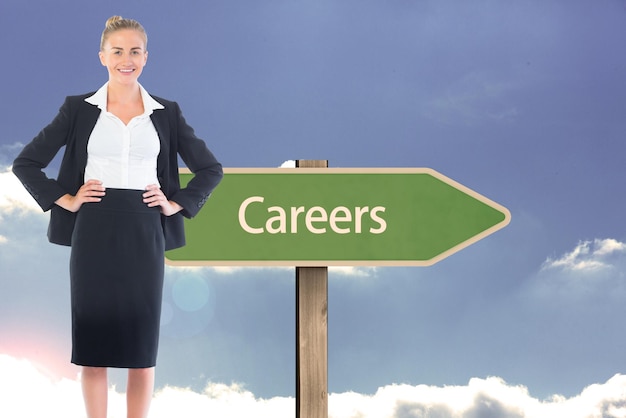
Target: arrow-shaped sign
{"points": [[336, 217]]}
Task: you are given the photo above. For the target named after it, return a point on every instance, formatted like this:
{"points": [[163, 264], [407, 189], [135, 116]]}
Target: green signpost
{"points": [[336, 216], [319, 217]]}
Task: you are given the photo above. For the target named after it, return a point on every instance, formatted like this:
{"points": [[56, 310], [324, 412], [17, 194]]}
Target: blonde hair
{"points": [[115, 23]]}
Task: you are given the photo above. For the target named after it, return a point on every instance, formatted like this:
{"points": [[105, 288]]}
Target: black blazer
{"points": [[72, 127]]}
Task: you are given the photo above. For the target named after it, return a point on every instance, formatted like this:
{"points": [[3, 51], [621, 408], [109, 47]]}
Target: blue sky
{"points": [[520, 101]]}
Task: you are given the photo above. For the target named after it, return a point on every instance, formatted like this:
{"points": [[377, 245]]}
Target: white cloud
{"points": [[587, 256], [609, 246], [230, 270], [27, 391], [224, 270], [22, 382], [13, 196], [347, 271], [218, 400], [8, 152]]}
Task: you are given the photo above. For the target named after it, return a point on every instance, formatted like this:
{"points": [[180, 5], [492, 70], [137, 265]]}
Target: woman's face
{"points": [[124, 55]]}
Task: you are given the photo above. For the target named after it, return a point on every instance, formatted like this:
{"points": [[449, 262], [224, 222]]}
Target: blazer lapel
{"points": [[86, 119], [159, 120]]}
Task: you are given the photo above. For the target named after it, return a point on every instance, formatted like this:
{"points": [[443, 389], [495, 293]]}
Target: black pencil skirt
{"points": [[116, 273]]}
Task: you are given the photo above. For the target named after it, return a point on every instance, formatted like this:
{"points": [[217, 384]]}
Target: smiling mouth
{"points": [[126, 71]]}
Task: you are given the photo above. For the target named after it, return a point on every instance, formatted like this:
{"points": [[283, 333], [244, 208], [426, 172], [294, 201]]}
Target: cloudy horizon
{"points": [[22, 381]]}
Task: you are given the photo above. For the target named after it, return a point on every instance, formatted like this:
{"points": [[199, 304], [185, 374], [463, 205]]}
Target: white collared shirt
{"points": [[123, 156]]}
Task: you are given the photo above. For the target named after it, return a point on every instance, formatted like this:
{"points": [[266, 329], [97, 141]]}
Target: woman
{"points": [[118, 202]]}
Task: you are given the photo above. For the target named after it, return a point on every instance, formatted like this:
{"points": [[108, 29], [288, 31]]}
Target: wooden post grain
{"points": [[311, 334]]}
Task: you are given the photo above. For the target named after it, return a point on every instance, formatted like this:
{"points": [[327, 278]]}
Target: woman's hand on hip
{"points": [[91, 191], [154, 197]]}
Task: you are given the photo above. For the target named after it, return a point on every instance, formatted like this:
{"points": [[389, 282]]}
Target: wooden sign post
{"points": [[311, 334]]}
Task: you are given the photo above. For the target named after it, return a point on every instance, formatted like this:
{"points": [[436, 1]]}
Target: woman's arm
{"points": [[29, 164], [200, 160]]}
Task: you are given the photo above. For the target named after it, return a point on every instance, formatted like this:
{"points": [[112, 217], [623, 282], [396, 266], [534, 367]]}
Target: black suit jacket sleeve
{"points": [[36, 156], [196, 156]]}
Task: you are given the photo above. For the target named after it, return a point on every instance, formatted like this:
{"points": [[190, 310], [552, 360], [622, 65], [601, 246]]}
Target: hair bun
{"points": [[112, 20]]}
